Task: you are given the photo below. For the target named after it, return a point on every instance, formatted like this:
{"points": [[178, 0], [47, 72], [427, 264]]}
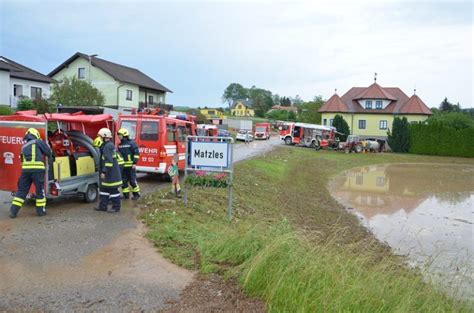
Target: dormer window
{"points": [[368, 104], [378, 104]]}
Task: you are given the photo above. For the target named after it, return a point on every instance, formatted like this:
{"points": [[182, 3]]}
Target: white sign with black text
{"points": [[209, 154]]}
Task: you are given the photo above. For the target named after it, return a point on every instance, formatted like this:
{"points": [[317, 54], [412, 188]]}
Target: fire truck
{"points": [[159, 137], [74, 170], [308, 135]]}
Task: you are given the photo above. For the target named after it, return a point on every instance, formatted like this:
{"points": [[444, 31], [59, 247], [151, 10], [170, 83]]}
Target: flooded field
{"points": [[423, 211]]}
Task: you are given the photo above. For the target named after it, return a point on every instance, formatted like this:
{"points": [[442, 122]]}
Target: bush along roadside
{"points": [[290, 243], [204, 179]]}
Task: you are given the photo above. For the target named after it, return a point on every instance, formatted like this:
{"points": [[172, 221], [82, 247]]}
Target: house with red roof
{"points": [[369, 111]]}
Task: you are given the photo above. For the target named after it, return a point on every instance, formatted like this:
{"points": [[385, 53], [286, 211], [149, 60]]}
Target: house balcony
{"points": [[156, 105]]}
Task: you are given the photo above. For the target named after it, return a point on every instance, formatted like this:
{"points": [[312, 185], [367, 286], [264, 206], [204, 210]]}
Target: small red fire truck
{"points": [[159, 137], [308, 135]]}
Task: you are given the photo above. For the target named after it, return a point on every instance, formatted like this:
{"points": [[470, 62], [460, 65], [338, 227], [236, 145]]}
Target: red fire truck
{"points": [[262, 131], [159, 137], [309, 135]]}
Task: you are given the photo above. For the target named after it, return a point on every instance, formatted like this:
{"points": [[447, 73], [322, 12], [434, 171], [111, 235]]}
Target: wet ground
{"points": [[77, 259], [422, 211]]}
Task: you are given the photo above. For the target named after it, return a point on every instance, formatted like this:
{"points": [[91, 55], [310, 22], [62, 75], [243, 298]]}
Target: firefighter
{"points": [[32, 171], [110, 177], [129, 151]]}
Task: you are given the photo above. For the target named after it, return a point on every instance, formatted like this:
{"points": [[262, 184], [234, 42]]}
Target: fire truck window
{"points": [[149, 131], [131, 126], [181, 133], [170, 131]]}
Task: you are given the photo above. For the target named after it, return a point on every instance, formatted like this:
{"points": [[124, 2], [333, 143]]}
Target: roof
{"points": [[20, 71], [374, 91], [334, 104], [247, 102], [120, 72], [415, 105], [399, 101], [284, 108], [78, 117]]}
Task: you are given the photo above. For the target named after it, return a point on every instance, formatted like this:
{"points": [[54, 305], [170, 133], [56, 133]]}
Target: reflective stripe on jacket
{"points": [[129, 151], [110, 166], [33, 153]]}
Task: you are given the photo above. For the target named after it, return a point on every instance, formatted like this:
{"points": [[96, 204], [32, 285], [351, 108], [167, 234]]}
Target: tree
{"points": [[341, 125], [297, 100], [200, 118], [40, 105], [447, 106], [234, 92], [308, 111], [75, 92], [262, 100], [285, 101], [399, 137]]}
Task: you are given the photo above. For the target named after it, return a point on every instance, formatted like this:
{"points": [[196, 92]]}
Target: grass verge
{"points": [[290, 243]]}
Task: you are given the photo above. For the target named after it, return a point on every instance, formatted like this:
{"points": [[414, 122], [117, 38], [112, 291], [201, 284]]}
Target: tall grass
{"points": [[284, 260]]}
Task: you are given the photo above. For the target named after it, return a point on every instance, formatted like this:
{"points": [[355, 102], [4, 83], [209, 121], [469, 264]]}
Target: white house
{"points": [[17, 80]]}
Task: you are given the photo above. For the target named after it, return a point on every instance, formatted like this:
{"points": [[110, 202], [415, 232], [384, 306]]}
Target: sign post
{"points": [[210, 155]]}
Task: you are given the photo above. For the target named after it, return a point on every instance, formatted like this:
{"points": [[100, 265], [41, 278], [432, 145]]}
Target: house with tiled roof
{"points": [[242, 108], [122, 86], [369, 111], [17, 81]]}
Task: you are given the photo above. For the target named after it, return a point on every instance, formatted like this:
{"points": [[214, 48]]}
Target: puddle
{"points": [[423, 211]]}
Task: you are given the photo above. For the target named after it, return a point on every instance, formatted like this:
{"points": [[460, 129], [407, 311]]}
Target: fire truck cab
{"points": [[159, 138]]}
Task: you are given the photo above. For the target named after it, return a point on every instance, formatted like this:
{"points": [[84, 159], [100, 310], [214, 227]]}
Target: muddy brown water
{"points": [[423, 211]]}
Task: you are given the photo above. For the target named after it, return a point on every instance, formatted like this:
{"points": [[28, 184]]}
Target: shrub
{"points": [[24, 104], [437, 138], [341, 125], [5, 110], [399, 137]]}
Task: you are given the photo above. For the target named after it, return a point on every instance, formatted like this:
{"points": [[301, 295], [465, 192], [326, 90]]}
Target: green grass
{"points": [[290, 243]]}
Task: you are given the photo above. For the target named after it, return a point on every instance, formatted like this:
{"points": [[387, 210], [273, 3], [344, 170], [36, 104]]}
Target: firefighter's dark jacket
{"points": [[33, 152], [129, 151], [110, 166]]}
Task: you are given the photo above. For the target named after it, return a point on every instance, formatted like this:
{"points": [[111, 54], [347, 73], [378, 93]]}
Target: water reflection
{"points": [[423, 211]]}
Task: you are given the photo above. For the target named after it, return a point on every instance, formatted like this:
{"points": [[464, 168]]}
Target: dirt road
{"points": [[78, 259]]}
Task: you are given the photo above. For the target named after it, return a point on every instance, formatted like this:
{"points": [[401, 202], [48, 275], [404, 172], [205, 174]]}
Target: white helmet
{"points": [[105, 133]]}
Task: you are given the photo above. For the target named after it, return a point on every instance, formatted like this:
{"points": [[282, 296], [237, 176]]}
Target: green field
{"points": [[290, 243]]}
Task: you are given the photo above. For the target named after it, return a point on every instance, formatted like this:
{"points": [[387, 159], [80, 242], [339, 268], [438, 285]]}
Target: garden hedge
{"points": [[439, 139]]}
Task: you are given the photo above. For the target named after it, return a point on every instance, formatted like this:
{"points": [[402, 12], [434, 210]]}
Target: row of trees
{"points": [[262, 99]]}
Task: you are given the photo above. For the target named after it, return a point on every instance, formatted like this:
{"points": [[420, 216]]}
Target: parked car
{"points": [[242, 134], [223, 133]]}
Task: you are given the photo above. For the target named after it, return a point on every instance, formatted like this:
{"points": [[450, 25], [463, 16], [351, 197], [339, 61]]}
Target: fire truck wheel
{"points": [[288, 141], [91, 194]]}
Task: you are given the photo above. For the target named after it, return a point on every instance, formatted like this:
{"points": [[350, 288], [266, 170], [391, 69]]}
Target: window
{"points": [[378, 104], [368, 104], [17, 90], [35, 93], [359, 180], [150, 99], [362, 124], [383, 124], [325, 120], [129, 95], [149, 131], [380, 181], [131, 126], [211, 112], [330, 122], [181, 133], [81, 73], [170, 131]]}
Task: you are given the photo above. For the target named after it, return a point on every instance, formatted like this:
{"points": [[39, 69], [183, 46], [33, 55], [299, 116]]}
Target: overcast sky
{"points": [[304, 48]]}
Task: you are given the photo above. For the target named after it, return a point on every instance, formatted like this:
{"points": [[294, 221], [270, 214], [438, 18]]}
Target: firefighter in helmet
{"points": [[33, 170], [110, 176], [129, 151]]}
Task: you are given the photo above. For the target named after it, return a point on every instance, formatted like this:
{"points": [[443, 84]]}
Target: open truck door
{"points": [[11, 141]]}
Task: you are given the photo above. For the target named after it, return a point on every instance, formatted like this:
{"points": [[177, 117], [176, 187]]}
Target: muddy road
{"points": [[75, 258]]}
